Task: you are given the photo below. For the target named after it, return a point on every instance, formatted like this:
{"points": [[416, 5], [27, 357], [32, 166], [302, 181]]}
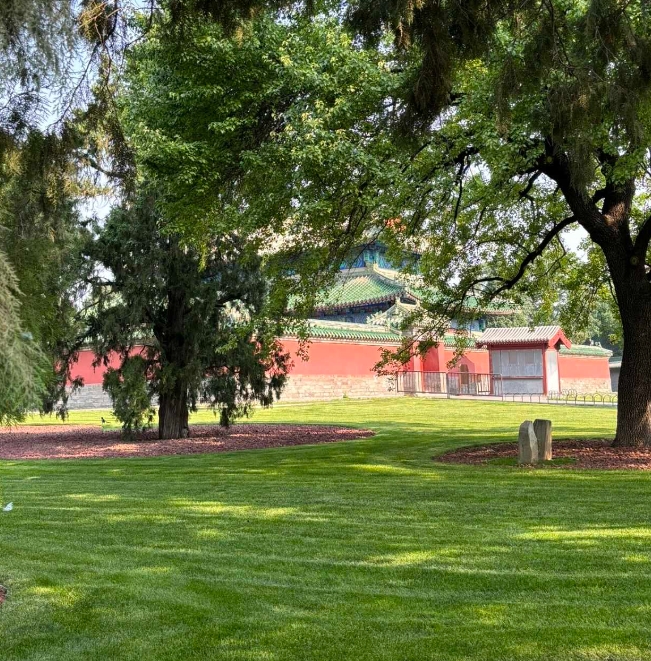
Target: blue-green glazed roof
{"points": [[369, 286], [363, 289]]}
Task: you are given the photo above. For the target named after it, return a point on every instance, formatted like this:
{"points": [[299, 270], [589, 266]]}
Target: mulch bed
{"points": [[85, 442], [597, 453]]}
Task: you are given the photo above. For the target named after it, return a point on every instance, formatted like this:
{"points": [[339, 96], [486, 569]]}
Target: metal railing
{"points": [[450, 383], [463, 384], [582, 399]]}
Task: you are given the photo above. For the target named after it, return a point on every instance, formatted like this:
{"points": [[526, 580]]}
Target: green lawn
{"points": [[356, 550]]}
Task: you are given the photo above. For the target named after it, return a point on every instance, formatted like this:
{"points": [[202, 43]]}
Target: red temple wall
{"points": [[359, 359], [84, 367], [344, 358], [584, 373], [478, 362], [583, 367], [337, 369]]}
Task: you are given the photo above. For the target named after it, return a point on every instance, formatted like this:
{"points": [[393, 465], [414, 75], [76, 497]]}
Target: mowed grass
{"points": [[356, 550]]}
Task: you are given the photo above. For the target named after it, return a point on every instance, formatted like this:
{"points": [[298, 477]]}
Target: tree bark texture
{"points": [[627, 257], [172, 336], [634, 390], [173, 413], [626, 263]]}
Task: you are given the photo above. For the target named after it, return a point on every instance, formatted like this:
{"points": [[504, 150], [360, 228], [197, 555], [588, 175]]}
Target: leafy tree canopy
{"points": [[538, 120], [548, 128], [284, 131]]}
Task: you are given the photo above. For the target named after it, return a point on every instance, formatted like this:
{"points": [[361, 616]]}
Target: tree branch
{"points": [[643, 238], [96, 166], [555, 164], [509, 283]]}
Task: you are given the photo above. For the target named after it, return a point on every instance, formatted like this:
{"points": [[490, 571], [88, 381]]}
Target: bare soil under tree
{"points": [[581, 454]]}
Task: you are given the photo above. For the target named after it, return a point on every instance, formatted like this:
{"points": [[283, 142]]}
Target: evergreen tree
{"points": [[188, 325], [42, 234], [36, 38], [21, 380]]}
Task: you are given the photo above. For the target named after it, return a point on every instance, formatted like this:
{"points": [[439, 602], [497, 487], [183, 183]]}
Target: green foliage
{"points": [[547, 128], [442, 35], [21, 363], [283, 131], [543, 85], [43, 234], [36, 38], [128, 389], [198, 316], [588, 309]]}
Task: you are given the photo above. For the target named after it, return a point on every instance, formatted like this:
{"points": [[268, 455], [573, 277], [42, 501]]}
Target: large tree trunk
{"points": [[634, 391], [172, 335], [627, 258], [173, 413]]}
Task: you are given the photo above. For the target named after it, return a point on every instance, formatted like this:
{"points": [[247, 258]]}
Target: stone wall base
{"points": [[587, 386], [303, 387], [299, 388], [89, 397]]}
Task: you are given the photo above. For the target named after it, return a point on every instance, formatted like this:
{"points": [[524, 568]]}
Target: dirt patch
{"points": [[3, 594], [597, 453], [85, 442]]}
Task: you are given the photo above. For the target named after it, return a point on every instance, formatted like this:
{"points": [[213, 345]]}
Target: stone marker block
{"points": [[527, 444], [543, 431]]}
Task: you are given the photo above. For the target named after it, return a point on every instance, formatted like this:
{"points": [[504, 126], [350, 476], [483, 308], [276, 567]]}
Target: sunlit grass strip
{"points": [[359, 550]]}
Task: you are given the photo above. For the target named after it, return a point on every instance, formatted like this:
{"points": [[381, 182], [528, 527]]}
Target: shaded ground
{"points": [[596, 453], [74, 442]]}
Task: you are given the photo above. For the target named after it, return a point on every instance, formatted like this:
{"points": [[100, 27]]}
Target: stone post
{"points": [[527, 444], [543, 431]]}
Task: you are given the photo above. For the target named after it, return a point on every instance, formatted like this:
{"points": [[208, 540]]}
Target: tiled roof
{"points": [[521, 335], [369, 286], [366, 288], [341, 330], [585, 350]]}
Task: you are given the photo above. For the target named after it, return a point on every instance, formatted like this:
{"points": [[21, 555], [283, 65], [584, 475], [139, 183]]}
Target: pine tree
{"points": [[188, 325]]}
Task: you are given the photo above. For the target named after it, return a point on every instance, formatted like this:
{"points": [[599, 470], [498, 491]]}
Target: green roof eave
{"points": [[450, 340], [352, 334], [585, 350]]}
